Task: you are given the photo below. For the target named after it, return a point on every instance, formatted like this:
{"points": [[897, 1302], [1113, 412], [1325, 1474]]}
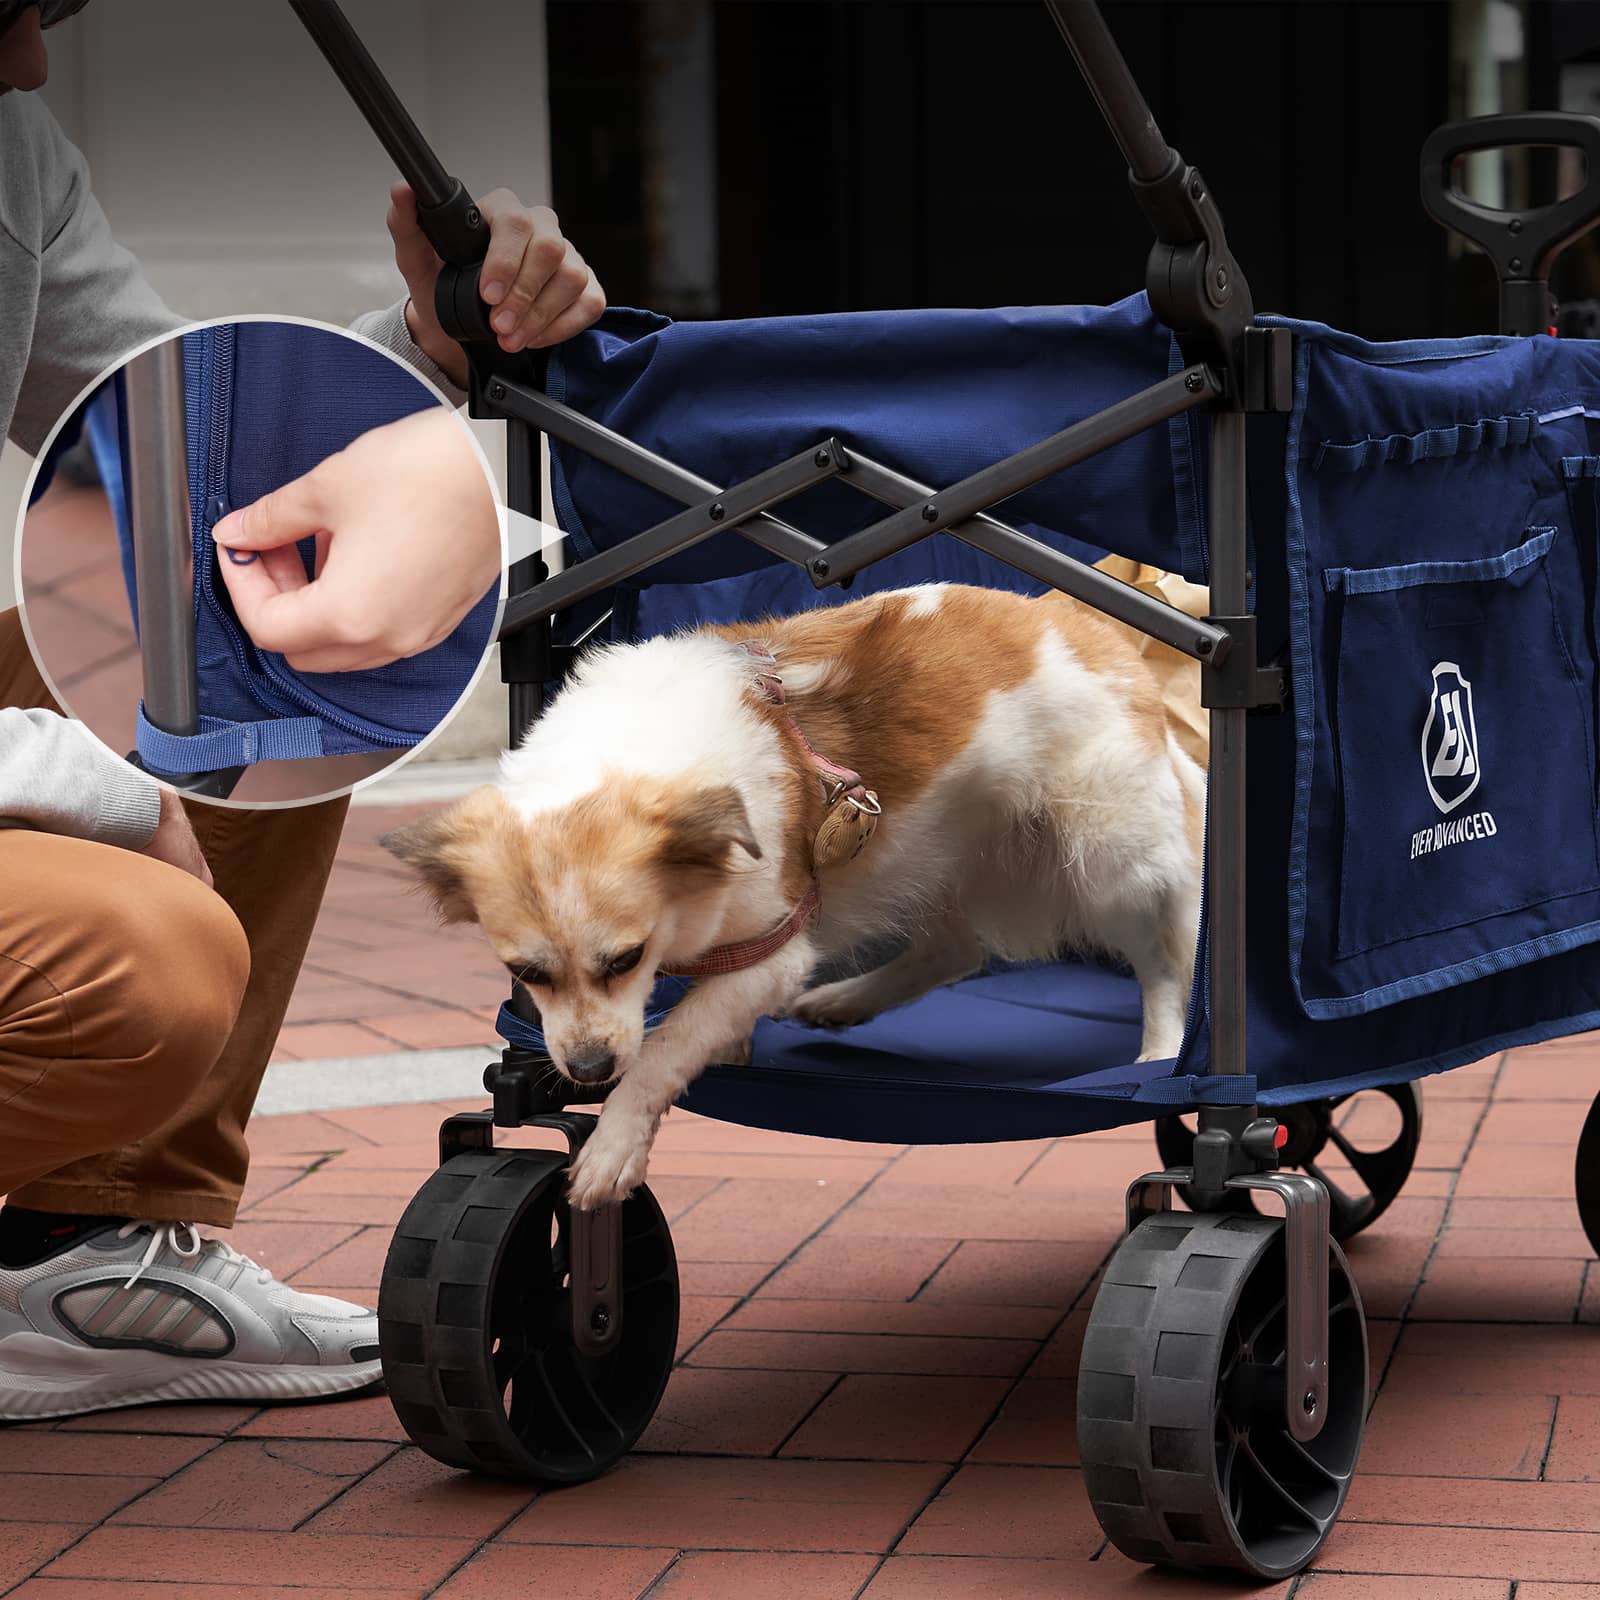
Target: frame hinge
{"points": [[1236, 682], [1268, 369]]}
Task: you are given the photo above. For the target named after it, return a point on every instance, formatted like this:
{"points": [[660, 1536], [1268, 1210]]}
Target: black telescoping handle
{"points": [[1523, 245], [1114, 88], [453, 224], [1196, 286]]}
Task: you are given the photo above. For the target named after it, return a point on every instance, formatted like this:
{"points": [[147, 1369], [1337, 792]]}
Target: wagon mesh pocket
{"points": [[1466, 764]]}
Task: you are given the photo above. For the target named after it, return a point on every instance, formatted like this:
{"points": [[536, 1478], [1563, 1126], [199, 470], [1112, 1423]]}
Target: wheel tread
{"points": [[1147, 1387], [435, 1307]]}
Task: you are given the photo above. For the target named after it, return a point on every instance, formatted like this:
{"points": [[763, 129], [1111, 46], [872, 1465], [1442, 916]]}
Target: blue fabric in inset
{"points": [[267, 402]]}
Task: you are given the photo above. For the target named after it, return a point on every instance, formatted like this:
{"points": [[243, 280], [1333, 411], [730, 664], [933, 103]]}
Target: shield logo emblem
{"points": [[1450, 762]]}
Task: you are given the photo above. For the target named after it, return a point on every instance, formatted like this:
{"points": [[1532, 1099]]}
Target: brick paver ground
{"points": [[879, 1346]]}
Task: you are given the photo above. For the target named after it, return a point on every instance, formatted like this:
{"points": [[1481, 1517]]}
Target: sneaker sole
{"points": [[42, 1377]]}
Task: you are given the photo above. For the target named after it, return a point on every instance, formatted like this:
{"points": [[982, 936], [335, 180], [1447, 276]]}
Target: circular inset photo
{"points": [[262, 559]]}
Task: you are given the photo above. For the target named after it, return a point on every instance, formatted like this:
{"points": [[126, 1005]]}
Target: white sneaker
{"points": [[151, 1311]]}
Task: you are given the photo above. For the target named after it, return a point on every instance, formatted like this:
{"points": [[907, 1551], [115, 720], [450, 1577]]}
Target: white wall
{"points": [[229, 159], [231, 162]]}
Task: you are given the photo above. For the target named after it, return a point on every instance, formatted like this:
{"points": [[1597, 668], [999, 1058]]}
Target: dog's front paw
{"points": [[836, 1005], [607, 1170]]}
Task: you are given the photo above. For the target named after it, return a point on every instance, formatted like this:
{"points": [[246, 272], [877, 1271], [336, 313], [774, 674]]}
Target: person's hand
{"points": [[408, 540], [541, 289], [174, 841]]}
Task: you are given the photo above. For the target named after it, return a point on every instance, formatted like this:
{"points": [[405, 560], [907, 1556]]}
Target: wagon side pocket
{"points": [[1465, 730]]}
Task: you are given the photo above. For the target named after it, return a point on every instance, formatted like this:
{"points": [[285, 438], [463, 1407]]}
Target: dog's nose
{"points": [[593, 1065]]}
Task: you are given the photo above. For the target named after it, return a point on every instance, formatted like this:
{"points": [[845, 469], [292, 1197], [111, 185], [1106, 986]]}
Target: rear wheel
{"points": [[1187, 1454], [1374, 1134]]}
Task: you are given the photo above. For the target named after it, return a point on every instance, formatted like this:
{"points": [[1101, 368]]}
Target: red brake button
{"points": [[1280, 1138]]}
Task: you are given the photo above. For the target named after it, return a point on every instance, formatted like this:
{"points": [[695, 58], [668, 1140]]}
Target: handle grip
{"points": [[1523, 245]]}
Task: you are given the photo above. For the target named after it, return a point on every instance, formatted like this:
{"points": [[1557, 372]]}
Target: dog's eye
{"points": [[623, 961], [527, 972]]}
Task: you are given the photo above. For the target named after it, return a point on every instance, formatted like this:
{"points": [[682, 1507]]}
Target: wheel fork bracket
{"points": [[594, 1272], [1305, 1244]]}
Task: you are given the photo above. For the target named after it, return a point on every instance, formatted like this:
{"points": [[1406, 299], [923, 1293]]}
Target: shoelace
{"points": [[164, 1236]]}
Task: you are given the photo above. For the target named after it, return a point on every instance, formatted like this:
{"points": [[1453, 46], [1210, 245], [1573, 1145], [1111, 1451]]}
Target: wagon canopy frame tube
{"points": [[958, 510]]}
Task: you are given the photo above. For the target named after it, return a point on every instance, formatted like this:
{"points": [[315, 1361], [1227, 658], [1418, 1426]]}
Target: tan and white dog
{"points": [[662, 816]]}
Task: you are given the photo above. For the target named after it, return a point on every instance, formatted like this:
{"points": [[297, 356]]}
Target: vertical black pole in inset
{"points": [[163, 544], [1225, 814]]}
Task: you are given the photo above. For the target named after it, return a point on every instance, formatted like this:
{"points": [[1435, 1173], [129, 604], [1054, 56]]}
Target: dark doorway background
{"points": [[880, 153]]}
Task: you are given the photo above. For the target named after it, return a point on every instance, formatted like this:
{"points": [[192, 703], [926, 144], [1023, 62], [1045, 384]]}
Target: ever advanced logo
{"points": [[1452, 764]]}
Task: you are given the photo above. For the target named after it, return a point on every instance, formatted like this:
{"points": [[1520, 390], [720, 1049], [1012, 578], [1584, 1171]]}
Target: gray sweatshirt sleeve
{"points": [[74, 303], [388, 328], [55, 777], [87, 304]]}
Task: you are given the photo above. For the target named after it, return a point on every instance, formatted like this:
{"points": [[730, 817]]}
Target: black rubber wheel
{"points": [[1586, 1176], [1312, 1126], [1187, 1456], [475, 1324]]}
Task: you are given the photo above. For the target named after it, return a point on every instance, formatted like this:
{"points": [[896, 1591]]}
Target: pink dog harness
{"points": [[838, 784]]}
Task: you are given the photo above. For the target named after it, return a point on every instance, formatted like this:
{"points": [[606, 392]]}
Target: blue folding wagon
{"points": [[1401, 545]]}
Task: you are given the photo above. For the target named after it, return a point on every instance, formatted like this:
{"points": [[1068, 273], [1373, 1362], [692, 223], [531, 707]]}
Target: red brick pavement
{"points": [[874, 1397]]}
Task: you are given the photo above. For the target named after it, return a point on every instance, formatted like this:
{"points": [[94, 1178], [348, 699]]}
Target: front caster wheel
{"points": [[1187, 1455], [1376, 1131], [475, 1323]]}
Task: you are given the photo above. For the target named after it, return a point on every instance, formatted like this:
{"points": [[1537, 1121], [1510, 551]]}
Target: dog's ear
{"points": [[703, 827], [442, 846]]}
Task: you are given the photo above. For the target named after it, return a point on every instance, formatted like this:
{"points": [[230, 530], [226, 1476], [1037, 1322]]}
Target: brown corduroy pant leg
{"points": [[270, 867]]}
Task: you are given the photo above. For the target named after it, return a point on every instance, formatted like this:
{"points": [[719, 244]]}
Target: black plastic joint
{"points": [[218, 784], [459, 307], [1233, 1141], [455, 227], [1268, 370], [1170, 210], [1236, 683], [513, 1097]]}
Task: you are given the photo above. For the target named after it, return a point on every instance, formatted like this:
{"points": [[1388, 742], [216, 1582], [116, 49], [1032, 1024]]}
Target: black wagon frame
{"points": [[448, 1391]]}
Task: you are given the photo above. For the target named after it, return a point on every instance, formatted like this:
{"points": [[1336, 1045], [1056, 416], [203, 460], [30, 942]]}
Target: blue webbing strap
{"points": [[221, 744], [1210, 1089]]}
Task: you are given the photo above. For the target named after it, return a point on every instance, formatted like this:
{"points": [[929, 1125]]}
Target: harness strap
{"points": [[838, 783], [836, 780]]}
